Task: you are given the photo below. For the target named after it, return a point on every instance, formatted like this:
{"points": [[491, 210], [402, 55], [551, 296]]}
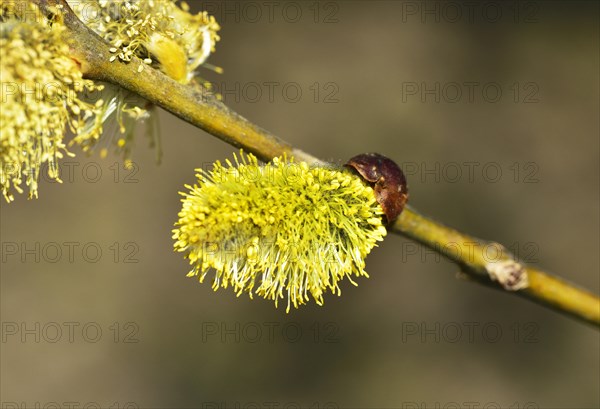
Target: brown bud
{"points": [[387, 179]]}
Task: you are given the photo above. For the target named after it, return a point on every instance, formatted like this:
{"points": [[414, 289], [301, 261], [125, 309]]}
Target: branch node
{"points": [[508, 273]]}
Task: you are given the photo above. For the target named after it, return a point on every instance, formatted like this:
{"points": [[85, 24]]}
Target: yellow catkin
{"points": [[162, 34], [279, 230], [44, 94], [40, 93]]}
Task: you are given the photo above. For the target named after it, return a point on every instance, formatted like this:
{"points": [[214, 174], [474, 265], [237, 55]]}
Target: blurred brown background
{"points": [[410, 336]]}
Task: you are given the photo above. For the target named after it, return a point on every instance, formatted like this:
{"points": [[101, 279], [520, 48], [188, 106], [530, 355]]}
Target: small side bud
{"points": [[510, 274], [387, 179]]}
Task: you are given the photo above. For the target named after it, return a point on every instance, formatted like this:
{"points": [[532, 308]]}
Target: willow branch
{"points": [[473, 255], [200, 107]]}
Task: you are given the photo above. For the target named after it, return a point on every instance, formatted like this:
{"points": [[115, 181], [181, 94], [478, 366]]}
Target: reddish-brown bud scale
{"points": [[386, 178]]}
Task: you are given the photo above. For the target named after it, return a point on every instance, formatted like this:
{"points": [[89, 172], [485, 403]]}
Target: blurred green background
{"points": [[411, 335]]}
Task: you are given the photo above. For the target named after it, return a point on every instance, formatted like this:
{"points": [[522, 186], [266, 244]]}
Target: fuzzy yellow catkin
{"points": [[40, 92], [279, 230], [43, 91], [162, 34]]}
